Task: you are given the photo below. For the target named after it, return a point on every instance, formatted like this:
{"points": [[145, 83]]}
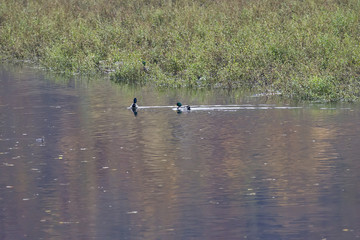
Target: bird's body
{"points": [[180, 107], [40, 140], [134, 104], [134, 107]]}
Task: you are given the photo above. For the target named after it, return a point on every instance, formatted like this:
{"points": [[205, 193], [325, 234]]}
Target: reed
{"points": [[304, 49]]}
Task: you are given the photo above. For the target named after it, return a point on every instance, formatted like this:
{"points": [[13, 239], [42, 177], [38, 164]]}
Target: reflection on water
{"points": [[75, 163]]}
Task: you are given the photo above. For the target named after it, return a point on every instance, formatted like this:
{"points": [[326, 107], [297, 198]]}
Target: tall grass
{"points": [[305, 49]]}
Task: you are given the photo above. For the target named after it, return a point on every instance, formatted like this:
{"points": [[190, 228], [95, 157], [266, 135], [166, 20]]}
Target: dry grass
{"points": [[305, 49]]}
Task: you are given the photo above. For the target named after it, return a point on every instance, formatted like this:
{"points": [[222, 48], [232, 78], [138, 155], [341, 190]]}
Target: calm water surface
{"points": [[263, 170]]}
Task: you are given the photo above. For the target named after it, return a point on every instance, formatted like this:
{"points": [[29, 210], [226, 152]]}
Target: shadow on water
{"points": [[76, 163]]}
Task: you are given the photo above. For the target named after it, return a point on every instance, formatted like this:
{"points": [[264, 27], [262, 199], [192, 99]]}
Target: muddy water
{"points": [[75, 163]]}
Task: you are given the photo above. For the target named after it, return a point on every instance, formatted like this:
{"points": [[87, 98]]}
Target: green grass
{"points": [[307, 50]]}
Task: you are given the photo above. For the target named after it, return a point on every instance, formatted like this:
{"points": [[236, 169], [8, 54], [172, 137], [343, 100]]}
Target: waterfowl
{"points": [[134, 105], [181, 107], [40, 140]]}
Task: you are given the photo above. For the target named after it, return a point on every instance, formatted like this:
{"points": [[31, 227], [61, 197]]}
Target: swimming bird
{"points": [[40, 140], [181, 107], [134, 105]]}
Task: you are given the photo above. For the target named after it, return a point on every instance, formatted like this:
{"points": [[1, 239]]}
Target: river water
{"points": [[75, 163]]}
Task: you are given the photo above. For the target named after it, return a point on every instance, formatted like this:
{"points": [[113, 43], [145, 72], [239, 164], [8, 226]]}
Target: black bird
{"points": [[134, 107], [134, 104]]}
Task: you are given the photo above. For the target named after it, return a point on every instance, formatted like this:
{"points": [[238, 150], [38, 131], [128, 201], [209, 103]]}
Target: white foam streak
{"points": [[223, 107]]}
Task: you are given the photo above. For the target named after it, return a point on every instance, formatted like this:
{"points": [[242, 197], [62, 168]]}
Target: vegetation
{"points": [[304, 49]]}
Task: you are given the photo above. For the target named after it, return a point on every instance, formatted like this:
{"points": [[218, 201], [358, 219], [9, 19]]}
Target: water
{"points": [[75, 163]]}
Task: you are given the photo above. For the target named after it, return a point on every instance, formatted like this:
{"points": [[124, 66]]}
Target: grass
{"points": [[307, 50]]}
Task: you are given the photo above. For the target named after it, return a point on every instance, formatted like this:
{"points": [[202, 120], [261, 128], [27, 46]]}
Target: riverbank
{"points": [[303, 49]]}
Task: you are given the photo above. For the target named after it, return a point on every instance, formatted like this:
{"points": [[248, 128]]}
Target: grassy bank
{"points": [[304, 49]]}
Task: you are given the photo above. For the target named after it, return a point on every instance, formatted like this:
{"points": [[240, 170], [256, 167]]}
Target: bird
{"points": [[134, 105], [181, 107], [145, 68], [40, 140]]}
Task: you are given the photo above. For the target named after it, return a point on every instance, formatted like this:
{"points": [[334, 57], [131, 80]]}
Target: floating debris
{"points": [[68, 222], [327, 108], [9, 164], [55, 107], [251, 194], [132, 212]]}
